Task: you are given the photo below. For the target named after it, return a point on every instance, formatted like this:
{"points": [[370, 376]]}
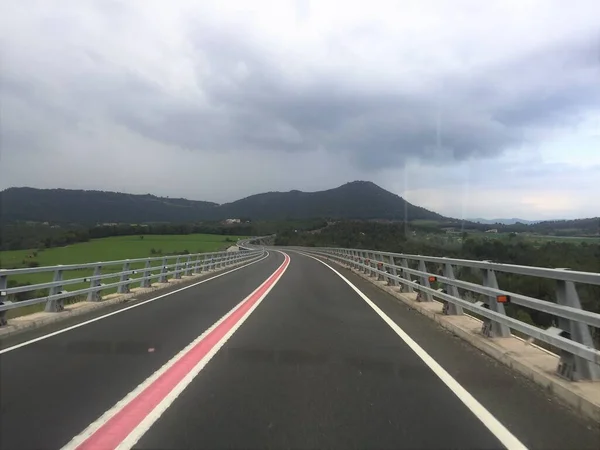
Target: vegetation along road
{"points": [[106, 249]]}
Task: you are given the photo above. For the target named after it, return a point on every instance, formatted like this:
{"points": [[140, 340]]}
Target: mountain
{"points": [[77, 206], [355, 200], [504, 221]]}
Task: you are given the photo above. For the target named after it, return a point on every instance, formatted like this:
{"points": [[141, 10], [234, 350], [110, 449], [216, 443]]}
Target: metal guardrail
{"points": [[579, 359], [256, 242], [154, 268]]}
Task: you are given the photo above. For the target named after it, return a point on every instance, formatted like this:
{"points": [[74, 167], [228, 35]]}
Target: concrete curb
{"points": [[584, 397], [37, 320]]}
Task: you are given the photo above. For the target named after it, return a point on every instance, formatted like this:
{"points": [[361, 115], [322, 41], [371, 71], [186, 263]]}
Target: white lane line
{"points": [[488, 420], [133, 424], [87, 322]]}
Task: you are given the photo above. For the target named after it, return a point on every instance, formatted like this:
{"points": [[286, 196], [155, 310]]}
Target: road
{"points": [[283, 353]]}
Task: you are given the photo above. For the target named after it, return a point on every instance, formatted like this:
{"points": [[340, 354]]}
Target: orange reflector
{"points": [[432, 279], [503, 299]]}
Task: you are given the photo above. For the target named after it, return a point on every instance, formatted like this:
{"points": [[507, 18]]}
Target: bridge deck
{"points": [[314, 366]]}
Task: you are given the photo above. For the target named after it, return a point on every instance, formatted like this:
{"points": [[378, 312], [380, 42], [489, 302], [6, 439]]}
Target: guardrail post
{"points": [[354, 256], [124, 288], [391, 269], [373, 264], [407, 287], [365, 262], [188, 266], [491, 328], [379, 266], [197, 265], [370, 256], [55, 305], [424, 296], [3, 284], [341, 257], [94, 296], [178, 268], [163, 271], [348, 259], [451, 309], [146, 282], [571, 366]]}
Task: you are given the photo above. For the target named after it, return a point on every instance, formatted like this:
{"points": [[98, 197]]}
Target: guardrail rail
{"points": [[154, 268], [571, 335]]}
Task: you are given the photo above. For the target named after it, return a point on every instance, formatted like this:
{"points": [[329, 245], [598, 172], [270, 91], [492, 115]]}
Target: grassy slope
{"points": [[116, 248], [108, 249]]}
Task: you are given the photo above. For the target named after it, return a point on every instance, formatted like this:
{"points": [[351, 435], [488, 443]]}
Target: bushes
{"points": [[392, 237]]}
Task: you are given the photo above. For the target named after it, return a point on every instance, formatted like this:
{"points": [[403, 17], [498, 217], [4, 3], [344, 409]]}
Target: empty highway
{"points": [[286, 352]]}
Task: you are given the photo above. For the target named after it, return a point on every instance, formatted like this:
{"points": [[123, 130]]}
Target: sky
{"points": [[468, 108]]}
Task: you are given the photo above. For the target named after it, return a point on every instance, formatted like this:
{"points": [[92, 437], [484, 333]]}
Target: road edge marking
{"points": [[155, 413], [95, 319], [485, 417]]}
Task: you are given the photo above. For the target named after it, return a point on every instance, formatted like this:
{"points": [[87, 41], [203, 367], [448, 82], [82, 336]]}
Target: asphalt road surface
{"points": [[283, 353]]}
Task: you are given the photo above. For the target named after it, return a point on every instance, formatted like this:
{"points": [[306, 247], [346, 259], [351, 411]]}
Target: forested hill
{"points": [[91, 207], [356, 200]]}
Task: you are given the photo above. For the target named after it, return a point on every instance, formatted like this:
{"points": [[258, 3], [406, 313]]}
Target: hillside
{"points": [[90, 207], [512, 221], [356, 200]]}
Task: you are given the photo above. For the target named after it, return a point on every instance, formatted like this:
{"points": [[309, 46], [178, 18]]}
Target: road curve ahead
{"points": [[284, 353]]}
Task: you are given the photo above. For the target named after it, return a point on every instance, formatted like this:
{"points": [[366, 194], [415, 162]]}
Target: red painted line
{"points": [[118, 427]]}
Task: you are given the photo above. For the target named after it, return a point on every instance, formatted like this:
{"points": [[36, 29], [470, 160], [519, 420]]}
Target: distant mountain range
{"points": [[504, 221], [355, 200]]}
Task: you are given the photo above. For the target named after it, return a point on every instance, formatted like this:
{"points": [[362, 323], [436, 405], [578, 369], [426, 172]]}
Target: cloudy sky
{"points": [[470, 108]]}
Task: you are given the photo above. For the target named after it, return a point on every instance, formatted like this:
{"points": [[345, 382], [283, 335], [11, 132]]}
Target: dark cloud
{"points": [[206, 87], [478, 114]]}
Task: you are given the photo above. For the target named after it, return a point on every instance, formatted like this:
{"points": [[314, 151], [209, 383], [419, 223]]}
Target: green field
{"points": [[107, 249], [116, 248]]}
